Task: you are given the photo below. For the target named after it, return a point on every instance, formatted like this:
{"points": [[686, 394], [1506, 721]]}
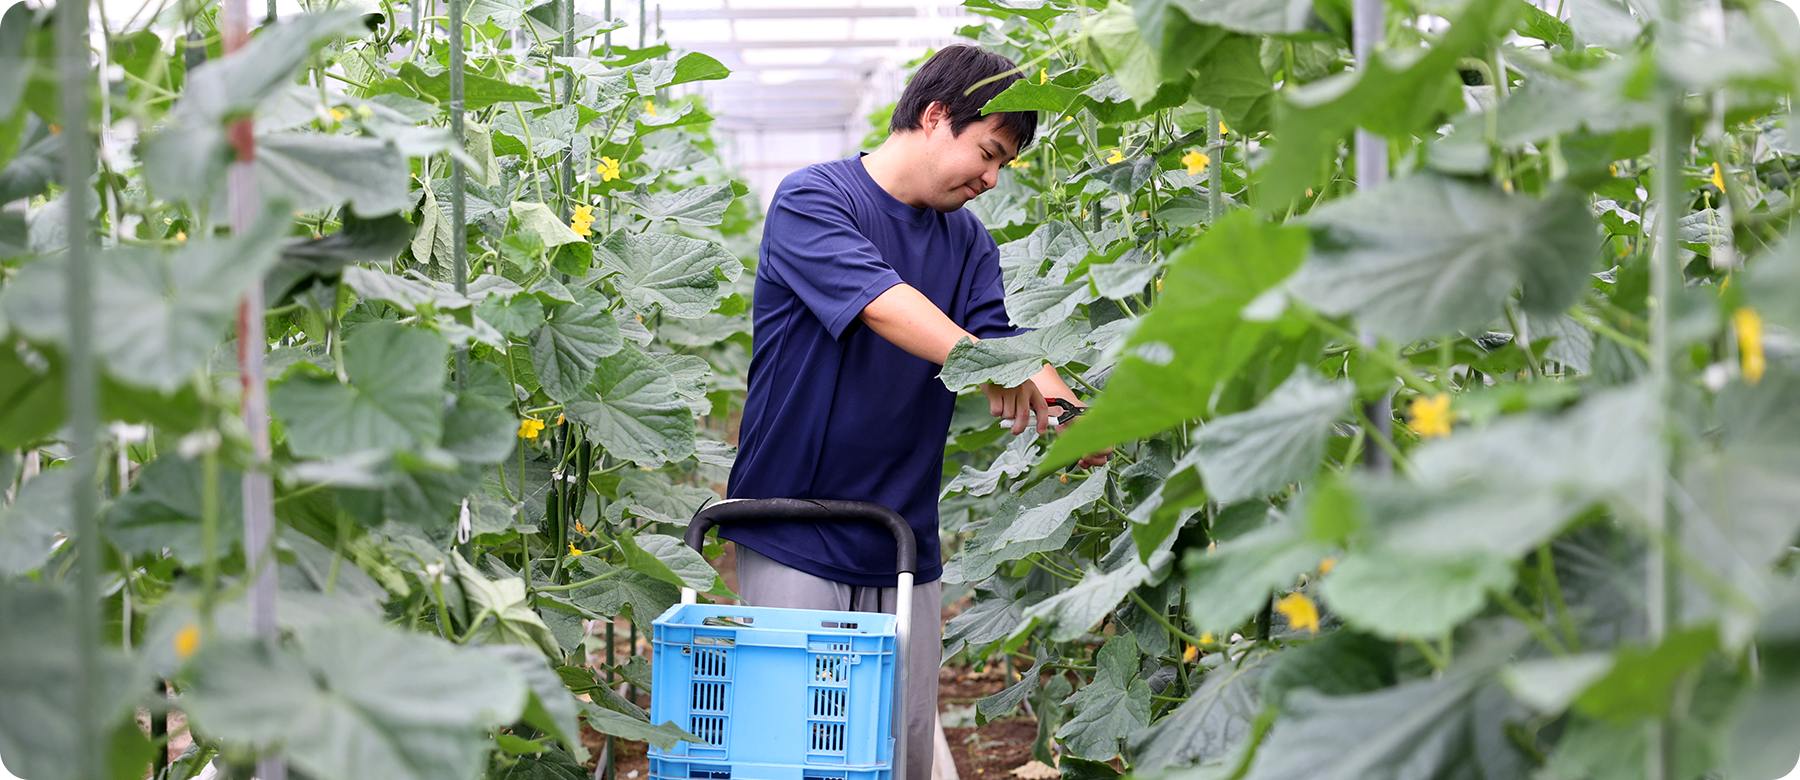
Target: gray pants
{"points": [[765, 583]]}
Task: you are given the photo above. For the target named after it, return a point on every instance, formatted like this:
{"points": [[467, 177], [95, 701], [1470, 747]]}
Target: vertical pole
{"points": [[459, 234], [1368, 29], [1215, 174], [1669, 137], [82, 392], [259, 506], [567, 47], [643, 23]]}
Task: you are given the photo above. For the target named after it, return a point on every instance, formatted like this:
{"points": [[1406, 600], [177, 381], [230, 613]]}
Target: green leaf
{"points": [[1428, 255], [1273, 17], [1113, 34], [1114, 706], [1069, 614], [163, 511], [670, 560], [1642, 679], [645, 596], [998, 609], [634, 411], [312, 171], [1282, 440], [30, 524], [505, 602], [31, 402], [158, 316], [39, 163], [15, 57], [1010, 361], [1003, 703], [479, 91], [1047, 305], [552, 708], [1396, 94], [1437, 728], [1212, 722], [1772, 281], [479, 431], [1027, 95], [566, 349], [1394, 595], [1338, 664], [323, 259], [358, 699], [626, 727], [1037, 520], [505, 14], [1231, 78], [394, 399], [703, 205], [1549, 685], [550, 228], [1238, 576], [677, 274], [40, 728], [694, 66], [1181, 351]]}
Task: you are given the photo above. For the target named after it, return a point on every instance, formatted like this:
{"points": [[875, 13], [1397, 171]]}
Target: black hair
{"points": [[946, 78]]}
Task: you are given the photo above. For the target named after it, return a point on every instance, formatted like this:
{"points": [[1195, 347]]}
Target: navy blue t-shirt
{"points": [[835, 411]]}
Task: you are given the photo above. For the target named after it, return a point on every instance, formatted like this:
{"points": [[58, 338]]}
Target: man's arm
{"points": [[909, 320], [905, 317]]}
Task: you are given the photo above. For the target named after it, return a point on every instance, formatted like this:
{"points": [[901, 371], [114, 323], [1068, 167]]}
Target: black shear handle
{"points": [[767, 509]]}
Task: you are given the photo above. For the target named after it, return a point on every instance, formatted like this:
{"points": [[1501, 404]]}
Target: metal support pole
{"points": [[567, 47], [1368, 29], [459, 234], [259, 500], [82, 390], [1215, 175]]}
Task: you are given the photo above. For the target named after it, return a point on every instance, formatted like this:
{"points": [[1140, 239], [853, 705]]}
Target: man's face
{"points": [[960, 167]]}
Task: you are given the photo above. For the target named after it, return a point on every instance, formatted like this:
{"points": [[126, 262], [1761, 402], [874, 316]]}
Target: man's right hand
{"points": [[1018, 404]]}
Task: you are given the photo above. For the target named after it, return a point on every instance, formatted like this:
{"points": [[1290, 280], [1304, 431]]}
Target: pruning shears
{"points": [[1068, 411]]}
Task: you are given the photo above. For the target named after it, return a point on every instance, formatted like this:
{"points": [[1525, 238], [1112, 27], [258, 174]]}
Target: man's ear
{"points": [[934, 114]]}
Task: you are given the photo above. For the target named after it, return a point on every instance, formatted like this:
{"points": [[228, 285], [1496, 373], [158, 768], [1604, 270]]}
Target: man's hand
{"points": [[1017, 404], [1088, 461]]}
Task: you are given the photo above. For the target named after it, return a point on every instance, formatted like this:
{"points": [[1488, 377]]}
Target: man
{"points": [[870, 272]]}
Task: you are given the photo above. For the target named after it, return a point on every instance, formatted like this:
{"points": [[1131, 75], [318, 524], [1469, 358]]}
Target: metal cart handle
{"points": [[739, 510]]}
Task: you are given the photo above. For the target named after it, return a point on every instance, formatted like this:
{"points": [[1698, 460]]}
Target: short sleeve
{"points": [[987, 317], [813, 246]]}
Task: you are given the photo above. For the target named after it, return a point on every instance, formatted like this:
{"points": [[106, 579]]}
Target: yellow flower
{"points": [[336, 115], [1750, 347], [530, 428], [180, 235], [1430, 416], [1718, 179], [560, 420], [1191, 653], [583, 218], [572, 550], [1196, 162], [579, 528], [609, 169], [1325, 566], [1222, 130], [1159, 285], [1115, 157], [1043, 76], [650, 107], [1299, 611], [187, 640], [1614, 169], [1020, 164], [1206, 638]]}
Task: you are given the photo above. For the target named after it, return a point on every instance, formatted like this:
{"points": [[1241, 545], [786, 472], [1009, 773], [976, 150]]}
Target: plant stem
{"points": [[1148, 610], [581, 584], [1405, 371], [1532, 623], [1547, 573]]}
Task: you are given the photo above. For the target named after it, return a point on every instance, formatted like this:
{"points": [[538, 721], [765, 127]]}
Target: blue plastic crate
{"points": [[777, 694]]}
